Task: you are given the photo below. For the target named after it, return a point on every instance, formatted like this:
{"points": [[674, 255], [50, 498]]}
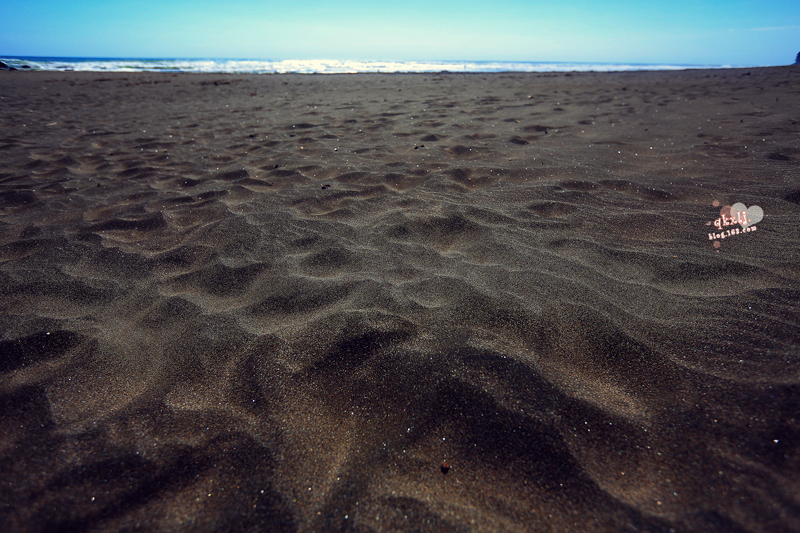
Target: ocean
{"points": [[322, 66]]}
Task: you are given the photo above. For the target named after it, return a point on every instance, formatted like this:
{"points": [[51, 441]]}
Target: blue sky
{"points": [[751, 32]]}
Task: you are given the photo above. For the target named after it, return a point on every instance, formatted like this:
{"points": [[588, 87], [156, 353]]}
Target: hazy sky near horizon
{"points": [[697, 32]]}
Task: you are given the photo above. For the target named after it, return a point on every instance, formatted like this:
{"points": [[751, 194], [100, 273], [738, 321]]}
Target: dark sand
{"points": [[283, 302]]}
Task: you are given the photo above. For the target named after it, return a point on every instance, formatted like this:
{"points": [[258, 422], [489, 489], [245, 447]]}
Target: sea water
{"points": [[323, 66]]}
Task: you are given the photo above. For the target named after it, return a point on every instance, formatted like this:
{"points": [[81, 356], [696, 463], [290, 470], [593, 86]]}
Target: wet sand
{"points": [[428, 302]]}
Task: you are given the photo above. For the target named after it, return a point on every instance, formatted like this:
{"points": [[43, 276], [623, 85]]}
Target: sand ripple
{"points": [[285, 308]]}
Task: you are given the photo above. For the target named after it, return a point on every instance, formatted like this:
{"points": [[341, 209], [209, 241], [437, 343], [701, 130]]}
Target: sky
{"points": [[685, 32]]}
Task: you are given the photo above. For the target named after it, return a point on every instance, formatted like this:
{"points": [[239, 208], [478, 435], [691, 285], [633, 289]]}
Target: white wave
{"points": [[321, 66]]}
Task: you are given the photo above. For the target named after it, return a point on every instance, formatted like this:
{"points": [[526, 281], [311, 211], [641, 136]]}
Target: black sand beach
{"points": [[429, 302]]}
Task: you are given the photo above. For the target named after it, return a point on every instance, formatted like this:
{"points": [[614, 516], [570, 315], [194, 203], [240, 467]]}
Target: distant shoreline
{"points": [[327, 66], [638, 75]]}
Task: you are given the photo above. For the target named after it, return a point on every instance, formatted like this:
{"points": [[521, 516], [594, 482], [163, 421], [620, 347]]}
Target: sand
{"points": [[428, 302]]}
